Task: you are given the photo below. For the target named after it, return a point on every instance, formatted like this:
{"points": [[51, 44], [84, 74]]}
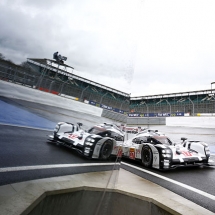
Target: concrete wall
{"points": [[200, 122], [146, 121], [87, 202], [11, 90]]}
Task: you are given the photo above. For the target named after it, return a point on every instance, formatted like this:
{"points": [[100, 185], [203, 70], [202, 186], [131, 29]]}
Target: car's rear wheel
{"points": [[147, 156], [106, 150]]}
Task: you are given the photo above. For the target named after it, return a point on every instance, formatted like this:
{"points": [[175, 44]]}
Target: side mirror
{"points": [[80, 124], [80, 137]]}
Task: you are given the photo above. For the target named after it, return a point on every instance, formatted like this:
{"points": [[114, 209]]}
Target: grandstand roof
{"points": [[190, 93], [47, 63]]}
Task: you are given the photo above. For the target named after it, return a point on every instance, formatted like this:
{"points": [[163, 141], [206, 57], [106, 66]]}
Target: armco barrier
{"points": [[147, 121]]}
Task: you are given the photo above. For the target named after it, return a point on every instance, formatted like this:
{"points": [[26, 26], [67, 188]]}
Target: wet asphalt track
{"points": [[21, 146]]}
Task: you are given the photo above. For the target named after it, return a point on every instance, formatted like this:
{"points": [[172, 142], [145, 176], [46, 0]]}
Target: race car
{"points": [[156, 150], [99, 142]]}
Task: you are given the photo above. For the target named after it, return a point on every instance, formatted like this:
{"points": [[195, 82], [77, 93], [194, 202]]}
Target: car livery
{"points": [[99, 142], [156, 150], [132, 130]]}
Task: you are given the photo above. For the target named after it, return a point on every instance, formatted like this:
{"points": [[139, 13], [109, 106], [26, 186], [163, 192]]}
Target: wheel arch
{"points": [[155, 155], [99, 144]]}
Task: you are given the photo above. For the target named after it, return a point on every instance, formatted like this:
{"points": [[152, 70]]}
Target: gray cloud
{"points": [[152, 46]]}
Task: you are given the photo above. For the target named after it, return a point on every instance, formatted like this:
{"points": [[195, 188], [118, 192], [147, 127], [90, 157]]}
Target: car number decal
{"points": [[132, 153]]}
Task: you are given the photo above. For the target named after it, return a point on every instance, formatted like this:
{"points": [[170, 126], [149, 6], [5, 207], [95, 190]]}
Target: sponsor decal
{"points": [[133, 115], [72, 136], [92, 103], [137, 151], [155, 114], [163, 114], [118, 110], [178, 114], [119, 153], [106, 107], [186, 153]]}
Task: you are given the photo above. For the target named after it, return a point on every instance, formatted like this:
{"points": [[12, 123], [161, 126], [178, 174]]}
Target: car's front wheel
{"points": [[147, 156], [106, 150]]}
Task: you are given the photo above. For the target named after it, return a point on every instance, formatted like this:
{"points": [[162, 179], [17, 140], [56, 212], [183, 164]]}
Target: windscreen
{"points": [[162, 140]]}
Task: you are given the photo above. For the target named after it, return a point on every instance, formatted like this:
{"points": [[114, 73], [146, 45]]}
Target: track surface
{"points": [[24, 147]]}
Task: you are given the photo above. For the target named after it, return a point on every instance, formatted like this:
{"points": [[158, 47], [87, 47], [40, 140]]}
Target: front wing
{"points": [[77, 147]]}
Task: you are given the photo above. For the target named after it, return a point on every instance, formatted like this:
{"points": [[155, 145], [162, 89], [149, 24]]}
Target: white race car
{"points": [[156, 150], [100, 142]]}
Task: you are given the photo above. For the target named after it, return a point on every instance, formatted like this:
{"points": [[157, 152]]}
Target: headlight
{"points": [[166, 155], [166, 151], [89, 139], [89, 143]]}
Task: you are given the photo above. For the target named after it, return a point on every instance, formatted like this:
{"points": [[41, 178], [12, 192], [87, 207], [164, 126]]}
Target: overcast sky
{"points": [[140, 47]]}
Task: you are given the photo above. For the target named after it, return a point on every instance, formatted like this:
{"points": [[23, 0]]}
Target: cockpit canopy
{"points": [[156, 139], [107, 132]]}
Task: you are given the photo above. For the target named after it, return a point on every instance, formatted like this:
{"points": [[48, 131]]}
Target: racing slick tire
{"points": [[147, 156], [106, 150]]}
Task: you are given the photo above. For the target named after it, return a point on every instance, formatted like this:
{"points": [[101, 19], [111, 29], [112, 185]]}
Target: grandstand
{"points": [[184, 102], [57, 79], [47, 75]]}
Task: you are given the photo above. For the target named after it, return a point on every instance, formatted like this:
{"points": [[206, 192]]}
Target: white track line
{"points": [[23, 126], [21, 168], [173, 181]]}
